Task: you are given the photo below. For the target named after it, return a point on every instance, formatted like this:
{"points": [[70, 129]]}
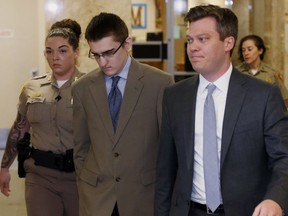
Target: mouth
{"points": [[106, 68], [56, 65], [196, 58]]}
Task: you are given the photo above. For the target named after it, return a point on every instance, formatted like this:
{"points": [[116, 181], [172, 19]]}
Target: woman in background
{"points": [[251, 53], [45, 111]]}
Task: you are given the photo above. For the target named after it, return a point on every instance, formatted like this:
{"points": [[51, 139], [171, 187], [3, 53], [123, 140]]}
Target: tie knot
{"points": [[211, 87], [115, 81]]}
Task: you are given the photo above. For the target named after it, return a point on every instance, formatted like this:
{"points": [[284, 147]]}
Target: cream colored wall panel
{"points": [[19, 52], [83, 11]]}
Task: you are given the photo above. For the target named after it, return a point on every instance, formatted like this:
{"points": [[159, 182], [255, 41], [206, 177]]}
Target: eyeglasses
{"points": [[106, 54]]}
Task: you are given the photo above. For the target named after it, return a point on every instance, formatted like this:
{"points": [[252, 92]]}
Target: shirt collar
{"points": [[221, 83], [124, 72]]}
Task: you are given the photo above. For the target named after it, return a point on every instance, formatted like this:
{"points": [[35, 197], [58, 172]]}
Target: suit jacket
{"points": [[118, 166], [254, 148]]}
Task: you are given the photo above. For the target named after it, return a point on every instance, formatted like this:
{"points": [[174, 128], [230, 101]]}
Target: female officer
{"points": [[45, 111], [251, 52]]}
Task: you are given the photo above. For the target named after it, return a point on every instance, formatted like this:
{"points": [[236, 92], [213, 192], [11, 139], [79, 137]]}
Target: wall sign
{"points": [[139, 16], [6, 33]]}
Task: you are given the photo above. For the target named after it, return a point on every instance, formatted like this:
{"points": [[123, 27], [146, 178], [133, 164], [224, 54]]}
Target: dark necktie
{"points": [[210, 154], [114, 100]]}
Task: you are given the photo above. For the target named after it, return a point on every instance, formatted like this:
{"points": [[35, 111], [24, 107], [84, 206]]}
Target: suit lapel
{"points": [[132, 93], [235, 97], [189, 103], [97, 89]]}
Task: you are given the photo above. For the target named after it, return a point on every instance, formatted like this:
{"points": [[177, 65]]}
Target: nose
{"points": [[245, 52], [55, 55], [192, 46], [102, 61]]}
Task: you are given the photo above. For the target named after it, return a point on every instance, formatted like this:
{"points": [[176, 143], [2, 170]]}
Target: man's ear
{"points": [[128, 43], [229, 43]]}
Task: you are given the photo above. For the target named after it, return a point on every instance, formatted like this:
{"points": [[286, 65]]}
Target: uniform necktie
{"points": [[114, 100], [211, 161]]}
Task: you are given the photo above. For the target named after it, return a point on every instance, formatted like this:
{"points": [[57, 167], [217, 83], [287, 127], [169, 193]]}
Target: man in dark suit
{"points": [[251, 131], [115, 157]]}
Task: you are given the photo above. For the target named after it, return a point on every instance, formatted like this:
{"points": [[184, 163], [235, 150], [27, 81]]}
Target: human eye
{"points": [[203, 39], [63, 51], [48, 52], [108, 53], [94, 55], [189, 40]]}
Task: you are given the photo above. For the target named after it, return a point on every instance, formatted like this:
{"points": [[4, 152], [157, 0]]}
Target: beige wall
{"points": [[19, 45], [22, 52], [23, 26], [82, 11]]}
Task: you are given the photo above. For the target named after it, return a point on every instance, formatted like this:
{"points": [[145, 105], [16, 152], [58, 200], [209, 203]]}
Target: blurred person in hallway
{"points": [[251, 52], [115, 149], [223, 142], [45, 112]]}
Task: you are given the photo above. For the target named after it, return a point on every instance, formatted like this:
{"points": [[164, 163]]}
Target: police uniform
{"points": [[267, 73], [49, 112]]}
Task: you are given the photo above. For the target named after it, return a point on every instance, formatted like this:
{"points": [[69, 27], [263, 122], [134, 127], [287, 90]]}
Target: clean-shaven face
{"points": [[208, 55], [103, 50], [251, 53], [61, 57]]}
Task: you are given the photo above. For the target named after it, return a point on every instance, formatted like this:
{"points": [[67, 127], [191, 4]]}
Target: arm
{"points": [[166, 167], [160, 99], [286, 103], [268, 207], [20, 126], [80, 132], [280, 82], [276, 142]]}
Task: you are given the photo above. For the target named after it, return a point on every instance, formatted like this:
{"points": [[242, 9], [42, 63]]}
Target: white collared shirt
{"points": [[219, 97]]}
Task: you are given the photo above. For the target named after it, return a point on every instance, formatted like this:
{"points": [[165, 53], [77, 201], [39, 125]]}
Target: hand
{"points": [[4, 181], [268, 208]]}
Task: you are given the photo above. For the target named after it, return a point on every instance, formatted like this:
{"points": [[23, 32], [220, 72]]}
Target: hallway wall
{"points": [[19, 45], [23, 27], [82, 12]]}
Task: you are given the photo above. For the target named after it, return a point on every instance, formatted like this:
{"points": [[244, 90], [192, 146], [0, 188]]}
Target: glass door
{"points": [[178, 63]]}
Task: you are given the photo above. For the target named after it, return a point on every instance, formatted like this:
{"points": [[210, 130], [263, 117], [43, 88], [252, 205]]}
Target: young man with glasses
{"points": [[116, 148]]}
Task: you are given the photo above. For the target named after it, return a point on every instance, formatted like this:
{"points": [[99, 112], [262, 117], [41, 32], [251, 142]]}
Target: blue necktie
{"points": [[114, 100], [210, 154]]}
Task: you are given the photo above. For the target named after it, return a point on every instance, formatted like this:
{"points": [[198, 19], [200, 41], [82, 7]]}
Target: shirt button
{"points": [[118, 179]]}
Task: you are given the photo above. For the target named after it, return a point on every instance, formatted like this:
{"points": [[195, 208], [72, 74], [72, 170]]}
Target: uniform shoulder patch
{"points": [[279, 75]]}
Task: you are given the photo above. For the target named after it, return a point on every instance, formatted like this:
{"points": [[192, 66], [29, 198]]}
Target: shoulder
{"points": [[87, 78], [242, 67], [78, 74], [251, 85], [37, 81], [149, 71], [266, 67], [272, 71], [33, 85], [40, 77], [184, 86]]}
